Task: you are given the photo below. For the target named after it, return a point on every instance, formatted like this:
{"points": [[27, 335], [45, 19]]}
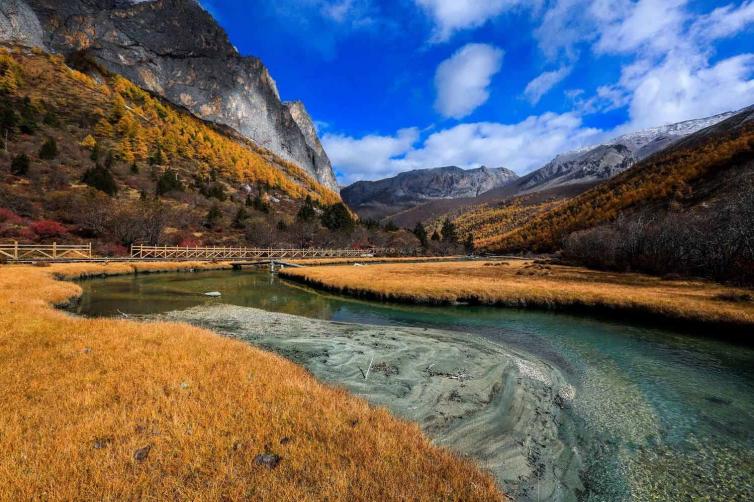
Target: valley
{"points": [[534, 231]]}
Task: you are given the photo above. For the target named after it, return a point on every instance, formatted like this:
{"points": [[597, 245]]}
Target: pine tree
{"points": [[421, 233], [49, 149], [19, 166], [240, 219], [100, 178], [169, 182], [213, 216], [449, 231], [469, 244], [337, 217], [307, 212]]}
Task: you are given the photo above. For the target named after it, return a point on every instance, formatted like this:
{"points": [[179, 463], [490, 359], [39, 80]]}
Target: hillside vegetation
{"points": [[111, 409], [687, 210], [665, 178], [90, 156]]}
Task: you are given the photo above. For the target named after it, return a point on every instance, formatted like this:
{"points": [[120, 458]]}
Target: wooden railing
{"points": [[139, 251], [19, 252]]}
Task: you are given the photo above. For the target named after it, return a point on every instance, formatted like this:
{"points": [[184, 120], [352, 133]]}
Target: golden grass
{"points": [[373, 259], [81, 396], [523, 283]]}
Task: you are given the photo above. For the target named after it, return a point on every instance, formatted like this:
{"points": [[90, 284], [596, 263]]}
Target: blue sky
{"points": [[405, 84]]}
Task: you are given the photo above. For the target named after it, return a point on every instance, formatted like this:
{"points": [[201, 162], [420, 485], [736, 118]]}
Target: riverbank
{"points": [[113, 409], [529, 284]]}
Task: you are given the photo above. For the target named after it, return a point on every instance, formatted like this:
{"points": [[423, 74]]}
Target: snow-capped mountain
{"points": [[600, 162]]}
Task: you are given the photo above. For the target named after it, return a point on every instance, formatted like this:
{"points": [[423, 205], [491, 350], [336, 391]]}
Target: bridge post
{"points": [[15, 249], [54, 250]]}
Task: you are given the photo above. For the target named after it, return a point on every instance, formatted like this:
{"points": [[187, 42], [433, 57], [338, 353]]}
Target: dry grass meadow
{"points": [[104, 409], [522, 283]]}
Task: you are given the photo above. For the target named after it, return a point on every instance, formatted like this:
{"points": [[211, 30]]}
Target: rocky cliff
{"points": [[378, 199], [175, 49]]}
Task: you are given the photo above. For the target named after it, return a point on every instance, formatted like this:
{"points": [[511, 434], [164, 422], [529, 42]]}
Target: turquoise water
{"points": [[660, 415]]}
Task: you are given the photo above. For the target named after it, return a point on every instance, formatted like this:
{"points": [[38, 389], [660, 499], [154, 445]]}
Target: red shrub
{"points": [[48, 228], [8, 216], [112, 249], [189, 241], [26, 235]]}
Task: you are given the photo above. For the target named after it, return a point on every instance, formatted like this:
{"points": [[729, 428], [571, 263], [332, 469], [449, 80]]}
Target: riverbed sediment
{"points": [[501, 407]]}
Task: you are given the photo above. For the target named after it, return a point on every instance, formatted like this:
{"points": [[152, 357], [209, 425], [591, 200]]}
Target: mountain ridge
{"points": [[382, 198]]}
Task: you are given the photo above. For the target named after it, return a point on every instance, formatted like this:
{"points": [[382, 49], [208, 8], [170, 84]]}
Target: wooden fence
{"points": [[54, 251], [139, 252]]}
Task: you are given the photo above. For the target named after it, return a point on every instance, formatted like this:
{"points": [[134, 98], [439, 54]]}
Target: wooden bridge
{"points": [[140, 252], [70, 252], [35, 252]]}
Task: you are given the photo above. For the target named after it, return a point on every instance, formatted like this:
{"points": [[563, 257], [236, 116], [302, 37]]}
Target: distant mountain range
{"points": [[566, 175], [386, 197]]}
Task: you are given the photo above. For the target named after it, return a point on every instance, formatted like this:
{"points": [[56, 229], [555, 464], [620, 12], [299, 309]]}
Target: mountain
{"points": [[175, 49], [103, 161], [568, 174], [601, 162], [698, 173], [386, 197]]}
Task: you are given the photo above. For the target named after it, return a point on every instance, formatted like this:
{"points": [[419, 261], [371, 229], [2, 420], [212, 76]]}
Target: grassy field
{"points": [[113, 409], [521, 283]]}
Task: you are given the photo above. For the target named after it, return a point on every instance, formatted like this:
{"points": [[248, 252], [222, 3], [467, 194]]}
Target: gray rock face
{"points": [[599, 163], [174, 48], [306, 125], [19, 24], [376, 199]]}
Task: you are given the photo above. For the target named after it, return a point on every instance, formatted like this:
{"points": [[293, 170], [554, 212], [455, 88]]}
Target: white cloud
{"points": [[650, 25], [455, 15], [544, 82], [723, 21], [684, 88], [671, 76], [369, 157], [462, 80], [522, 146], [610, 26]]}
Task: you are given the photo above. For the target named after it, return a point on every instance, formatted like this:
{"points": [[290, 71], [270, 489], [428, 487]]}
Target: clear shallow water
{"points": [[660, 415]]}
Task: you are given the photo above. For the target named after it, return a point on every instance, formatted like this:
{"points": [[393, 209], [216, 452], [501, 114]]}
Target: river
{"points": [[655, 414]]}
